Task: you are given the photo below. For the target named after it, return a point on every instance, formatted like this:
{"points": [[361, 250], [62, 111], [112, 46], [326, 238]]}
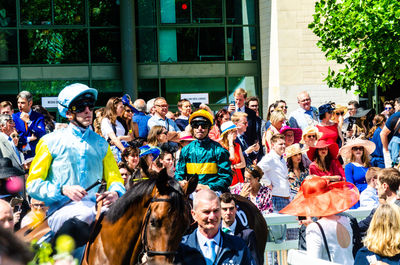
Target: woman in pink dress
{"points": [[221, 117], [325, 163]]}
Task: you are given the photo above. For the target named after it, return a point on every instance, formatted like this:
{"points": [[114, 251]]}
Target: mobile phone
{"points": [[233, 102], [17, 208]]}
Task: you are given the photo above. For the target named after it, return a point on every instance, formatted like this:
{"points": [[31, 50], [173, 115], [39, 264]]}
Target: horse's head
{"points": [[167, 218]]}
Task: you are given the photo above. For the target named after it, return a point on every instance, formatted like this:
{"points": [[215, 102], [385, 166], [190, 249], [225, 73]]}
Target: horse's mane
{"points": [[139, 191]]}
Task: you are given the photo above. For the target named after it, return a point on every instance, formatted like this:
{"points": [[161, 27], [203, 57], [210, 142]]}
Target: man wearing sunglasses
{"points": [[204, 157], [7, 146], [70, 160]]}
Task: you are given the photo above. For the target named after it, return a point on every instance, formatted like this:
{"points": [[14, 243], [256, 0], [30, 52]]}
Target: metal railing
{"points": [[292, 222]]}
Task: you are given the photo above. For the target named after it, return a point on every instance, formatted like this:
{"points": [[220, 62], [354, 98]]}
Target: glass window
{"points": [[53, 46], [242, 44], [8, 15], [192, 44], [105, 46], [104, 12], [146, 40], [147, 88], [191, 11], [69, 12], [207, 11], [35, 12], [175, 11], [246, 82], [240, 12], [47, 88], [107, 89], [8, 92], [173, 87], [8, 47], [145, 12]]}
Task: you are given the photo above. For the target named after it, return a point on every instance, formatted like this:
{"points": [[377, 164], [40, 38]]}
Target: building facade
{"points": [[150, 48]]}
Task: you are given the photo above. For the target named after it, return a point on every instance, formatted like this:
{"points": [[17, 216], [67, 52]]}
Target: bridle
{"points": [[146, 249]]}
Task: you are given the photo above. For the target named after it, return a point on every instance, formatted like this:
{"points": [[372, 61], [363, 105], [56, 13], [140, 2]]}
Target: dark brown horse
{"points": [[250, 216], [150, 219]]}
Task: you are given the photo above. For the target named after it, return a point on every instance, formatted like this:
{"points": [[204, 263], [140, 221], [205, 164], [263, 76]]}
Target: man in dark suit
{"points": [[207, 244], [233, 226], [250, 151], [29, 124], [253, 133]]}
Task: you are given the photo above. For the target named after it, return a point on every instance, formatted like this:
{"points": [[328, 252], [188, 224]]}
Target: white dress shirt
{"points": [[275, 173], [202, 242]]}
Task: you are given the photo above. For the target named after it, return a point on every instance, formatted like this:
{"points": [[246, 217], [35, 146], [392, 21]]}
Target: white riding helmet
{"points": [[72, 92]]}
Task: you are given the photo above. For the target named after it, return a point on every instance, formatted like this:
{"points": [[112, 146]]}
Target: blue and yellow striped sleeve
{"points": [[36, 184], [111, 174]]}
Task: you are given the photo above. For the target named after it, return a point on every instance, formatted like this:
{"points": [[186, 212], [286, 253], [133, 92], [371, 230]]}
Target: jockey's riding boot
{"points": [[77, 229]]}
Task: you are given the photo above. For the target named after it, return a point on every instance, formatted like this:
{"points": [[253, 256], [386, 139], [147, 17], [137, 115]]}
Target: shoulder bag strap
{"points": [[325, 242], [397, 127]]}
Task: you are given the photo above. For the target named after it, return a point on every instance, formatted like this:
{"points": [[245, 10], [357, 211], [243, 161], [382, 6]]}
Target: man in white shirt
{"points": [[369, 197], [305, 115], [276, 173], [159, 117]]}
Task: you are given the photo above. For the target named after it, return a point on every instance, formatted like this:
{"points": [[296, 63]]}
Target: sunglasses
{"points": [[203, 125], [38, 205], [81, 106], [311, 136], [340, 113], [388, 108], [164, 132], [14, 136], [128, 110], [357, 148]]}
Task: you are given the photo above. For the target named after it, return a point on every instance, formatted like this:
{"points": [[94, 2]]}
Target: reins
{"points": [[146, 248]]}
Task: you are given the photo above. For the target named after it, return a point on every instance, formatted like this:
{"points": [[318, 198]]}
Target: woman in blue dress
{"points": [[357, 152], [374, 135]]}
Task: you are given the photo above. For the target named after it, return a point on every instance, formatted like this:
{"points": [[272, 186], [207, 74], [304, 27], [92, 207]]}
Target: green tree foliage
{"points": [[363, 36]]}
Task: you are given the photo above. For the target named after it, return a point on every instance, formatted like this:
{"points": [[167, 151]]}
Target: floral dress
{"points": [[296, 182], [263, 199]]}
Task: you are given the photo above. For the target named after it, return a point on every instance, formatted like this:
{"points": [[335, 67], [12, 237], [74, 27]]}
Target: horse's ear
{"points": [[144, 166], [162, 181], [191, 185]]}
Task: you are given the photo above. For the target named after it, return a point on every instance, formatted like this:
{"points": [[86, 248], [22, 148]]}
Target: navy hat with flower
{"points": [[325, 108]]}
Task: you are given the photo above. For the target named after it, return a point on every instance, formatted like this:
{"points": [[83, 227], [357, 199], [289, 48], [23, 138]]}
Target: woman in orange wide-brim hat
{"points": [[319, 198]]}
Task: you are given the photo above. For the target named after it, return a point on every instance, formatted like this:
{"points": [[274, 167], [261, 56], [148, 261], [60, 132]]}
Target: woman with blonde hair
{"points": [[382, 243], [157, 136], [277, 120]]}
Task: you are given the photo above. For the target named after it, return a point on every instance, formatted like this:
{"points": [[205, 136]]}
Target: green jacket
{"points": [[209, 160]]}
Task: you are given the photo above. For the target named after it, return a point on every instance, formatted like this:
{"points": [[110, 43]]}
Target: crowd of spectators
{"points": [[234, 150]]}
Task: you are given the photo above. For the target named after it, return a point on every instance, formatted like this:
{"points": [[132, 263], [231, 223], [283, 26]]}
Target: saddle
{"points": [[27, 234]]}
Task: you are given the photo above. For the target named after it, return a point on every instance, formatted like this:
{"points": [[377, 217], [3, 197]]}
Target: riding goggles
{"points": [[80, 106]]}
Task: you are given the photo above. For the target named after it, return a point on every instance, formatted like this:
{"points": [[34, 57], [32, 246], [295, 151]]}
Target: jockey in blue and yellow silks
{"points": [[69, 160], [204, 156]]}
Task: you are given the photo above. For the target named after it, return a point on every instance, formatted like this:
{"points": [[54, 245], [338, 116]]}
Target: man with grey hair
{"points": [[207, 244], [29, 124], [141, 118], [7, 146], [305, 115]]}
